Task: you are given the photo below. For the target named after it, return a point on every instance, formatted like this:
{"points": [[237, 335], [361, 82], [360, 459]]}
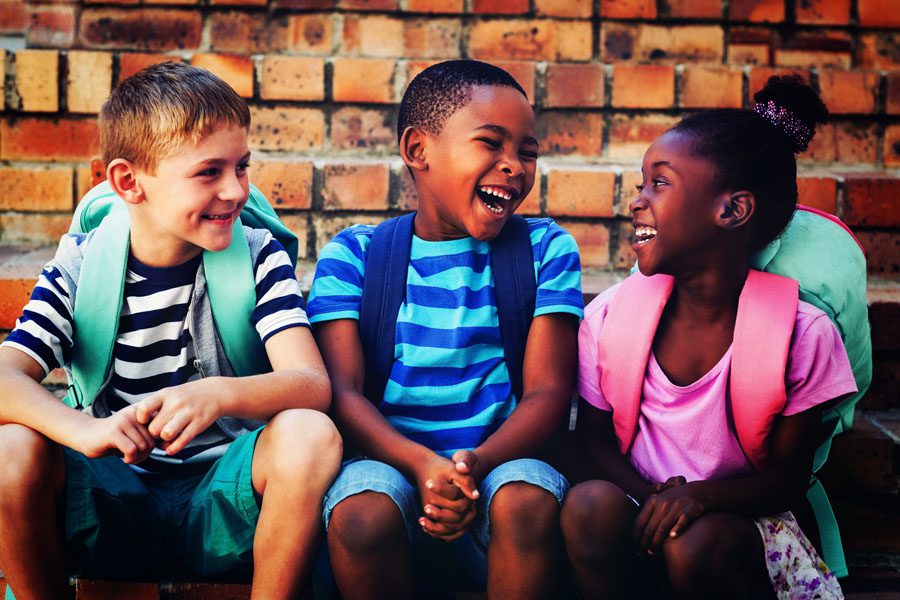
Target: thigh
{"points": [[363, 475], [112, 525], [217, 530]]}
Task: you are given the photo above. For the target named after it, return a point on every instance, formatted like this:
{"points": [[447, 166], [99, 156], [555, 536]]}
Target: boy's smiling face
{"points": [[474, 174], [192, 200]]}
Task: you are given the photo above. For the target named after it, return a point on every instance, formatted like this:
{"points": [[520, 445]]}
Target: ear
{"points": [[412, 149], [735, 209], [122, 177]]}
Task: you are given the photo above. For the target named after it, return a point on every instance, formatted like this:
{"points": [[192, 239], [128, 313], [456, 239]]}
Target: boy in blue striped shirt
{"points": [[168, 470], [448, 452]]}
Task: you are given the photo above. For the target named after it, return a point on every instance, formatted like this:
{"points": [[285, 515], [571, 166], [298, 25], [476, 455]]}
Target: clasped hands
{"points": [[448, 490]]}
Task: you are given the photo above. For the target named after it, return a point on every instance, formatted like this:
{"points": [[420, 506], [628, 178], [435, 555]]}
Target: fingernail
{"points": [[428, 510], [476, 494], [460, 465], [429, 484]]}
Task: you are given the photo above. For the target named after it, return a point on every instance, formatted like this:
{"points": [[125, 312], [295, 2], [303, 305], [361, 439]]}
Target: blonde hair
{"points": [[153, 113]]}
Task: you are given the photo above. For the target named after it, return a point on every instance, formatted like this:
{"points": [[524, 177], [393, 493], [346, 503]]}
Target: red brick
{"points": [[643, 86], [628, 9], [628, 191], [14, 295], [570, 132], [582, 192], [435, 6], [882, 249], [878, 50], [364, 80], [326, 225], [692, 9], [760, 75], [286, 183], [44, 189], [236, 71], [856, 143], [303, 4], [248, 33], [363, 130], [749, 54], [414, 67], [372, 35], [564, 8], [892, 100], [405, 193], [36, 80], [50, 25], [757, 11], [822, 148], [86, 178], [878, 13], [530, 40], [500, 7], [155, 29], [823, 12], [818, 192], [13, 17], [131, 63], [286, 129], [593, 243], [574, 85], [849, 91], [661, 44], [311, 34], [623, 254], [299, 224], [629, 136], [179, 2], [292, 78], [89, 80], [41, 229], [356, 186], [892, 146], [2, 77], [812, 58], [871, 200], [368, 4], [432, 38], [237, 2], [40, 140], [522, 71], [531, 205], [712, 87]]}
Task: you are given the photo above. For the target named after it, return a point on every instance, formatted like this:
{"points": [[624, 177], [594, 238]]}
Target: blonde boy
{"points": [[167, 470]]}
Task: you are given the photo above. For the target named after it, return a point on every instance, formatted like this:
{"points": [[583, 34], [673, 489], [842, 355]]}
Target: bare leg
{"points": [[718, 556], [596, 525], [369, 548], [32, 477], [524, 555], [296, 458]]}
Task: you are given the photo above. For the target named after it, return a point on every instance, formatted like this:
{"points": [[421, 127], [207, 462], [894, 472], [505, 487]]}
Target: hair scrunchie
{"points": [[787, 122]]}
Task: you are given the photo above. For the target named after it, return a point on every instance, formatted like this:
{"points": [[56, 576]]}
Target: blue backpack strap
{"points": [[515, 289], [96, 315], [384, 289]]}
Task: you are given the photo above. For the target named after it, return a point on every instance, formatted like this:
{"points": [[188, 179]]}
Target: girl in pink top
{"points": [[717, 187]]}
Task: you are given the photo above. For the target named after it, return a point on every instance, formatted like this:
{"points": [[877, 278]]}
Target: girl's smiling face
{"points": [[675, 212], [479, 168]]}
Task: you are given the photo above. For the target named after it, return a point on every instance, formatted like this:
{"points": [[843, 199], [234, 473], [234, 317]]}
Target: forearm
{"points": [[764, 493], [261, 397], [606, 462]]}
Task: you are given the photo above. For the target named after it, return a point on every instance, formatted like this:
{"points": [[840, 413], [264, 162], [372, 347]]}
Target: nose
{"points": [[638, 203], [235, 188], [511, 166]]}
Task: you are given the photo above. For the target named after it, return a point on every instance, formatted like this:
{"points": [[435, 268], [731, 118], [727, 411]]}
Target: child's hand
{"points": [[120, 433], [664, 515], [671, 482], [465, 462], [176, 415], [447, 498]]}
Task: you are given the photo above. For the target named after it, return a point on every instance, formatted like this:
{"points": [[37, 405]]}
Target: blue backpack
{"points": [[384, 290]]}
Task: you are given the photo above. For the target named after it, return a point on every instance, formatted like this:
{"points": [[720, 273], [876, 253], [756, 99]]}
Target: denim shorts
{"points": [[470, 551]]}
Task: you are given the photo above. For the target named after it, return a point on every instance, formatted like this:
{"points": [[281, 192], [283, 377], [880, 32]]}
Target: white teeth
{"points": [[496, 192], [644, 234]]}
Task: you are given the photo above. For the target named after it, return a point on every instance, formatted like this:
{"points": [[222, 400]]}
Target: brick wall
{"points": [[323, 78]]}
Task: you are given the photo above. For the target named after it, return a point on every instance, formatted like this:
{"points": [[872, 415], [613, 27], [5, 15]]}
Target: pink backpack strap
{"points": [[624, 347], [767, 309]]}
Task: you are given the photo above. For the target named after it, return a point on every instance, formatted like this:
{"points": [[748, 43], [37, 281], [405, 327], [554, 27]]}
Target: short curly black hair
{"points": [[442, 89]]}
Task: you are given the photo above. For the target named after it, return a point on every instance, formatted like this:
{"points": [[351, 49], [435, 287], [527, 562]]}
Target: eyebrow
{"points": [[661, 163], [219, 161], [505, 132]]}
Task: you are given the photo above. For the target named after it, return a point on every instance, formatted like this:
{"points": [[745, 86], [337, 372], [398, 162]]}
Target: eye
{"points": [[528, 154], [242, 167], [210, 172], [490, 143], [659, 182], [639, 187]]}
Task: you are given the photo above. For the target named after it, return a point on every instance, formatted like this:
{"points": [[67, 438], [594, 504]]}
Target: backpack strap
{"points": [[624, 347], [384, 289], [767, 309], [96, 315]]}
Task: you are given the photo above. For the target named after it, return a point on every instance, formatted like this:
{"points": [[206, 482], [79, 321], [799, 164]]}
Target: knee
{"points": [[301, 441], [594, 514], [366, 523], [690, 556], [525, 514], [31, 464]]}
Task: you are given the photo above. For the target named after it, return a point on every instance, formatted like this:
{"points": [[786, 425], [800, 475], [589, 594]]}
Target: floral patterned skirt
{"points": [[795, 569]]}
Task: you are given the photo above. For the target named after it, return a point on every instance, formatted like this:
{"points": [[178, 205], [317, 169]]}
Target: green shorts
{"points": [[122, 525]]}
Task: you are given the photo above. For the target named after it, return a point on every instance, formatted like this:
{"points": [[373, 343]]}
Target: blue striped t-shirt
{"points": [[449, 387]]}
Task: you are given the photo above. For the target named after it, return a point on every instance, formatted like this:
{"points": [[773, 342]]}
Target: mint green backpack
{"points": [[230, 285], [820, 252]]}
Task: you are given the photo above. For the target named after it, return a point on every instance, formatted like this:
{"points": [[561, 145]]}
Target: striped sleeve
{"points": [[557, 268], [44, 331], [337, 286], [279, 301]]}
